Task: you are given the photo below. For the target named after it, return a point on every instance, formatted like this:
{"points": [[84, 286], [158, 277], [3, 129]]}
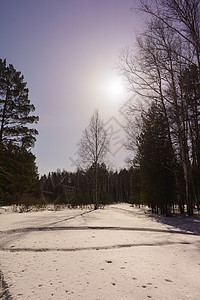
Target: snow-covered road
{"points": [[115, 253]]}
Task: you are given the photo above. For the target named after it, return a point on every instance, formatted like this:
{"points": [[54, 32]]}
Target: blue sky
{"points": [[67, 51]]}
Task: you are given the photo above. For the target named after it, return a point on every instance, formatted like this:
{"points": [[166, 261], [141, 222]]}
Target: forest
{"points": [[162, 125]]}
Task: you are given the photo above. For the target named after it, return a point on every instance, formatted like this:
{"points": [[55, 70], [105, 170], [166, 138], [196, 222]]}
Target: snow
{"points": [[119, 252]]}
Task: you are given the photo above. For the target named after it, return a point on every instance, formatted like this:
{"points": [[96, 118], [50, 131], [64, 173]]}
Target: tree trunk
{"points": [[3, 118], [96, 187]]}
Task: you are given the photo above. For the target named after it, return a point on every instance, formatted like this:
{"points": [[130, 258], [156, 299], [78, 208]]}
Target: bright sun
{"points": [[112, 88], [116, 87]]}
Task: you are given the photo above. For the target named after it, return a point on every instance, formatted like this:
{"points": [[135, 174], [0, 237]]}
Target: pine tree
{"points": [[15, 109], [18, 171]]}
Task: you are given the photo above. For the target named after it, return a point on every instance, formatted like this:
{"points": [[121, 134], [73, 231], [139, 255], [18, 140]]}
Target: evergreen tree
{"points": [[18, 171], [20, 176], [15, 109], [155, 159], [135, 186]]}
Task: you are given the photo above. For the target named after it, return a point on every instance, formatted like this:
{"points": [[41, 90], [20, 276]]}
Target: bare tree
{"points": [[93, 147]]}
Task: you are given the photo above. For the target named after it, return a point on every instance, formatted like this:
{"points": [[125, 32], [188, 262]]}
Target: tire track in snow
{"points": [[60, 228], [93, 248]]}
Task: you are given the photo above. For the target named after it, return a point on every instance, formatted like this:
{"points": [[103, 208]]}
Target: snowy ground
{"points": [[119, 252]]}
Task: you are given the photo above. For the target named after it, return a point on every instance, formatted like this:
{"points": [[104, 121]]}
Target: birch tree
{"points": [[93, 147]]}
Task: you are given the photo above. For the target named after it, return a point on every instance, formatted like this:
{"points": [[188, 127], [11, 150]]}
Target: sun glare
{"points": [[112, 87], [116, 87]]}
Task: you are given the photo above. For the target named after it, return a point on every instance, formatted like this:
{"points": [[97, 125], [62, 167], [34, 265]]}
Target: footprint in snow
{"points": [[109, 261], [168, 280]]}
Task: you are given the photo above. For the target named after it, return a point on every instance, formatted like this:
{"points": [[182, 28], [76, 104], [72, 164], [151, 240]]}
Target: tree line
{"points": [[79, 188]]}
